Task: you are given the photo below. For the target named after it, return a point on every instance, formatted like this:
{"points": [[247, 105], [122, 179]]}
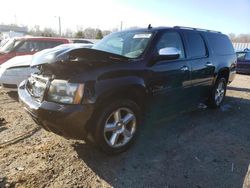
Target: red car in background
{"points": [[28, 46]]}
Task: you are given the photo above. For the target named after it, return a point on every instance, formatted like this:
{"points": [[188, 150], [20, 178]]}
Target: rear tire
{"points": [[218, 93], [117, 126]]}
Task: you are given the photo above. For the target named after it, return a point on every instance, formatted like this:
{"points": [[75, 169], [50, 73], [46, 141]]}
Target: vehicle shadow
{"points": [[238, 89], [202, 148], [13, 95], [2, 128], [2, 123]]}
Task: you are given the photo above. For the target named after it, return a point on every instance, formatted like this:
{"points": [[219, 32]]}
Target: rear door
{"points": [[202, 66], [170, 79]]}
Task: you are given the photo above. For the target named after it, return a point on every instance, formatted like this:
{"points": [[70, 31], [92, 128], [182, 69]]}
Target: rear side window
{"points": [[247, 58], [196, 45], [47, 44], [220, 44]]}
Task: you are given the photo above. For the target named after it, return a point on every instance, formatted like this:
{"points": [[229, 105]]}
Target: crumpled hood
{"points": [[71, 54], [18, 61]]}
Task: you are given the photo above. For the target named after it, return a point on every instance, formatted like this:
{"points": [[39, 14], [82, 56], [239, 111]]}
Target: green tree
{"points": [[48, 32], [99, 34], [79, 34]]}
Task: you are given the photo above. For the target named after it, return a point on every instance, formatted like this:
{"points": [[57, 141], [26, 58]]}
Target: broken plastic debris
{"points": [[202, 106]]}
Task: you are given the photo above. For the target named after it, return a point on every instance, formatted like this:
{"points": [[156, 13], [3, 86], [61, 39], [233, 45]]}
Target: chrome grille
{"points": [[36, 86]]}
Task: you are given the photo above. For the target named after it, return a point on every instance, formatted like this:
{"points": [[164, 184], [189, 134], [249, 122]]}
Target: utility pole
{"points": [[15, 19], [121, 25], [59, 25]]}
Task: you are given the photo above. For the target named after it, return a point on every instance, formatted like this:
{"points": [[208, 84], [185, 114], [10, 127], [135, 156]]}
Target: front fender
{"points": [[129, 85]]}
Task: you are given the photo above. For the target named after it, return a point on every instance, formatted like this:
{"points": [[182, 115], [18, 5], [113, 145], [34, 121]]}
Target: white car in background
{"points": [[14, 71]]}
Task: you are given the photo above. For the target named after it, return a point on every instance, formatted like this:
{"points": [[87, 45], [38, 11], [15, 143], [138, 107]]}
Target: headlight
{"points": [[63, 92]]}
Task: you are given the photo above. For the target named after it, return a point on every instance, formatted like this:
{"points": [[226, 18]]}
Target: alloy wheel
{"points": [[120, 127], [220, 93]]}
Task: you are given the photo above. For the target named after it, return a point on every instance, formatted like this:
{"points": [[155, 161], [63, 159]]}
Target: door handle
{"points": [[208, 64], [184, 68]]}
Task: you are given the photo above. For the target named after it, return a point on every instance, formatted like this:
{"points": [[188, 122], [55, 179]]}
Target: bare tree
{"points": [[79, 34], [242, 38], [90, 33], [48, 32], [106, 32], [68, 33]]}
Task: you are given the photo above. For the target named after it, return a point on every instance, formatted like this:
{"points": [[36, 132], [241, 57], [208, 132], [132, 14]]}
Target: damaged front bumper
{"points": [[69, 121]]}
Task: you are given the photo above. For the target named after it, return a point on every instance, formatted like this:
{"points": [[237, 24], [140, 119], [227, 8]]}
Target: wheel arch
{"points": [[137, 93], [223, 72]]}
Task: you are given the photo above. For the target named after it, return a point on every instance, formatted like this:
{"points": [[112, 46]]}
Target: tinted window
{"points": [[196, 45], [247, 58], [52, 44], [171, 39], [241, 56], [34, 46], [26, 46], [220, 44]]}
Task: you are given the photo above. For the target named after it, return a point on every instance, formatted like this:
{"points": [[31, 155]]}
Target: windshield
{"points": [[9, 46], [130, 44]]}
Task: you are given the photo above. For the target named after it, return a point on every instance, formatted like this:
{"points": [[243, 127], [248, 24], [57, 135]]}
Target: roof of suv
{"points": [[175, 28]]}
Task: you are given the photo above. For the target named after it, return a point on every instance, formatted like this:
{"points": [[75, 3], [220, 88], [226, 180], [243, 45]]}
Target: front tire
{"points": [[117, 126], [218, 93]]}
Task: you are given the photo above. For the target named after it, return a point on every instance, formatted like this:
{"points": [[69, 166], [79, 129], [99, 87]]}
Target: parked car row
{"points": [[17, 69], [100, 93], [30, 45], [243, 63]]}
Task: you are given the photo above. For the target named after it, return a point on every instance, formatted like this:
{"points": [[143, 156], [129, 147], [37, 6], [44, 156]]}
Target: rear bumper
{"points": [[232, 75], [243, 70], [69, 121]]}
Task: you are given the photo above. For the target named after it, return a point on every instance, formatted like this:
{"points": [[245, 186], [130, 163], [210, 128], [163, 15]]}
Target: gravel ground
{"points": [[202, 148]]}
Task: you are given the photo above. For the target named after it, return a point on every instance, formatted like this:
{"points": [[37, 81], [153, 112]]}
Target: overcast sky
{"points": [[228, 16]]}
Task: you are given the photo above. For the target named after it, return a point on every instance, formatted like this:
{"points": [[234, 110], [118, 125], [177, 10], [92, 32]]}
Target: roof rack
{"points": [[196, 29]]}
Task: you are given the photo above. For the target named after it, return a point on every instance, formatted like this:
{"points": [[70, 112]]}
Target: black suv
{"points": [[100, 94]]}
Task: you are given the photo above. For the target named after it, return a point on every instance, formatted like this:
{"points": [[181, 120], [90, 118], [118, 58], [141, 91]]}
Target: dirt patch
{"points": [[203, 148]]}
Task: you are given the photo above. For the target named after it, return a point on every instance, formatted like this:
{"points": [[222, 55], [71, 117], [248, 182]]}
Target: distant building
{"points": [[9, 31], [241, 46]]}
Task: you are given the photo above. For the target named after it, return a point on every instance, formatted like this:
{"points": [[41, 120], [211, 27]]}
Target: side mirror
{"points": [[168, 53]]}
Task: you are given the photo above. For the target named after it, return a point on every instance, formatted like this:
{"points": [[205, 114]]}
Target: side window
{"points": [[196, 45], [52, 44], [171, 39], [220, 44], [247, 58], [24, 47]]}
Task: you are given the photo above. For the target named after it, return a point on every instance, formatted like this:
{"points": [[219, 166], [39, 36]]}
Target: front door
{"points": [[170, 79]]}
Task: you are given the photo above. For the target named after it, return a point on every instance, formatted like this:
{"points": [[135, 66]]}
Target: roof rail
{"points": [[196, 29]]}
